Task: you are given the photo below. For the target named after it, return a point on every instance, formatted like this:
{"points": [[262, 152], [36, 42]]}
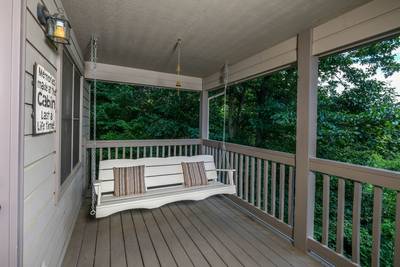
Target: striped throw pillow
{"points": [[194, 173], [129, 181]]}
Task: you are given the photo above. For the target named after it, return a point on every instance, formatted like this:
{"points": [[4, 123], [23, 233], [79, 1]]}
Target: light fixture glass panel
{"points": [[58, 29]]}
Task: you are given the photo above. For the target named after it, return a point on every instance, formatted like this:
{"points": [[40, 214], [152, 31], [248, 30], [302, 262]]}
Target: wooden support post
{"points": [[203, 120], [307, 87], [204, 115]]}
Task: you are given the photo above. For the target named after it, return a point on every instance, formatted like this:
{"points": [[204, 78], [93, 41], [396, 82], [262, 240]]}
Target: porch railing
{"points": [[354, 177], [134, 149], [265, 181], [264, 178]]}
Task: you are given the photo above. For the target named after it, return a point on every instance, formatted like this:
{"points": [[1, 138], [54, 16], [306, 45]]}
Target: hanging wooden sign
{"points": [[44, 103]]}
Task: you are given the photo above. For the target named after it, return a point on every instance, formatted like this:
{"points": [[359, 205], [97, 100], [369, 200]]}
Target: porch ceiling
{"points": [[142, 34]]}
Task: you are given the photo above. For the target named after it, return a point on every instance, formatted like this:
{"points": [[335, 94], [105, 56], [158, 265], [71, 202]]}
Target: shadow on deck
{"points": [[211, 232]]}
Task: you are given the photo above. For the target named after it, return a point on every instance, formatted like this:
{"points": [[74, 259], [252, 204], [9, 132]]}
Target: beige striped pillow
{"points": [[194, 173], [129, 181]]}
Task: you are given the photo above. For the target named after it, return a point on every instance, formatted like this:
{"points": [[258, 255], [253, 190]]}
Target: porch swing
{"points": [[164, 178]]}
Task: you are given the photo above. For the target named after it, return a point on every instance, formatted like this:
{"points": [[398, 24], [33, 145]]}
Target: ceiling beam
{"points": [[120, 74]]}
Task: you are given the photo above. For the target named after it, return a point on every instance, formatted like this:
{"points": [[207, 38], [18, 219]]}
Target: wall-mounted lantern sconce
{"points": [[58, 28]]}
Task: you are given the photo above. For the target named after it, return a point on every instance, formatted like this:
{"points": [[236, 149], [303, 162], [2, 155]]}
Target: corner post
{"points": [[204, 114], [12, 84], [306, 136], [203, 121]]}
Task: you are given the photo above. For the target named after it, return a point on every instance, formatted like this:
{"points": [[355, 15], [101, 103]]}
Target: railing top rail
{"points": [[276, 156], [142, 143], [362, 174]]}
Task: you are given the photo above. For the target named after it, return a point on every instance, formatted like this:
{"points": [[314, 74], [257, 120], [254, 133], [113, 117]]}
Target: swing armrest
{"points": [[230, 174], [97, 187], [97, 190]]}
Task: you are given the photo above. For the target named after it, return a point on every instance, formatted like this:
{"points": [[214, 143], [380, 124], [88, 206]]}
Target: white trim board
{"points": [[272, 58], [113, 73], [360, 24]]}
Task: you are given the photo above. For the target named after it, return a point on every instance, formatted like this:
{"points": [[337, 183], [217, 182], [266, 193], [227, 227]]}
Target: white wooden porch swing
{"points": [[163, 177]]}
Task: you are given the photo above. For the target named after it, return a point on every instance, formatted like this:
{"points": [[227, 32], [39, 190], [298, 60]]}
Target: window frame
{"points": [[63, 184]]}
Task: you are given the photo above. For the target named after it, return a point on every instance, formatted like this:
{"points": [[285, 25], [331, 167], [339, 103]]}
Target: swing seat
{"points": [[163, 182]]}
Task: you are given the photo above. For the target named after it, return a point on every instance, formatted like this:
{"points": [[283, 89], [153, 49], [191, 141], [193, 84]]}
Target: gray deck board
{"points": [[190, 247], [174, 245], [267, 250], [133, 255], [163, 252], [72, 255], [211, 232], [117, 245], [149, 255], [274, 241], [245, 251], [228, 258], [205, 248], [88, 248], [102, 257]]}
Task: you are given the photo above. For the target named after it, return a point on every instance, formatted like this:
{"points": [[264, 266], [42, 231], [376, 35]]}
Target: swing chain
{"points": [[93, 58]]}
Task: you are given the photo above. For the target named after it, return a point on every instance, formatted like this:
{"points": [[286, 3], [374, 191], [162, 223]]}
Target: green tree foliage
{"points": [[260, 112], [361, 122], [136, 112]]}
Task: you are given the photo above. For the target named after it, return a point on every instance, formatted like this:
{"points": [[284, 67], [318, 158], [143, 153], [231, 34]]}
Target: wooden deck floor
{"points": [[212, 232]]}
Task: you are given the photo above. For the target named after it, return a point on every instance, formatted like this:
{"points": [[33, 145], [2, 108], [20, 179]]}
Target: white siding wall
{"points": [[48, 221]]}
